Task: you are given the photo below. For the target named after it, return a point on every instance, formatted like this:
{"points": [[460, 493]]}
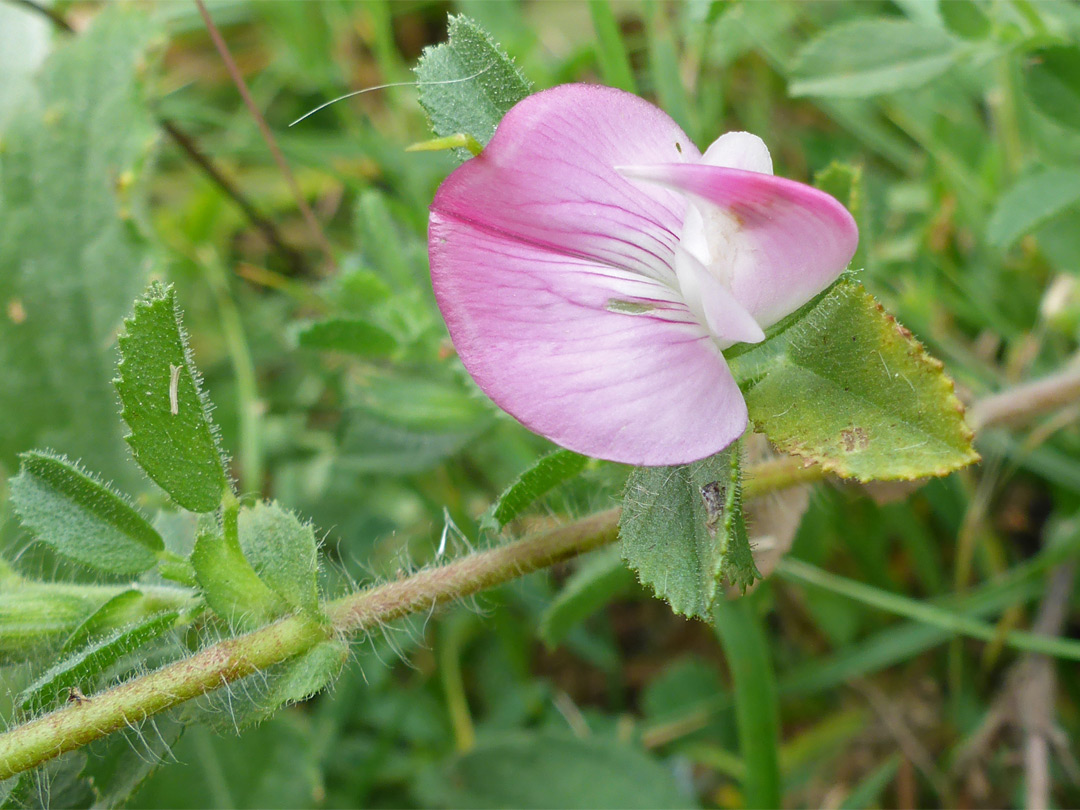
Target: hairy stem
{"points": [[65, 729]]}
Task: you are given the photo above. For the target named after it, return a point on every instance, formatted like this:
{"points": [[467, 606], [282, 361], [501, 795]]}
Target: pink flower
{"points": [[591, 266]]}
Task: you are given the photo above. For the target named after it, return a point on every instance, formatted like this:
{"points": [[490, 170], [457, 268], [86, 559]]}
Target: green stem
{"points": [[65, 729], [249, 406]]}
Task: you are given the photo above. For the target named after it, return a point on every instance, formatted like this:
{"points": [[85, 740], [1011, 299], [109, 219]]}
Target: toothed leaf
{"points": [[848, 387], [682, 531], [81, 517], [172, 437], [283, 552], [468, 83]]}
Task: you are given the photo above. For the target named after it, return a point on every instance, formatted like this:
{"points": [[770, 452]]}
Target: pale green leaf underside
{"points": [[172, 437], [681, 530], [71, 261], [283, 552], [868, 57], [82, 517], [848, 387], [483, 83]]}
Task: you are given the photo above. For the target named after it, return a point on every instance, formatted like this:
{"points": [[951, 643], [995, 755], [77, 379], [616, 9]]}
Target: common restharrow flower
{"points": [[592, 264]]}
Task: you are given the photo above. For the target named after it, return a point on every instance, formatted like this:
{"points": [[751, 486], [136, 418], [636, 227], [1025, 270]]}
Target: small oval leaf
{"points": [[172, 437], [82, 517]]}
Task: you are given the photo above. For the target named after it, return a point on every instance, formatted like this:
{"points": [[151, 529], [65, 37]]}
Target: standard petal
{"points": [[547, 178], [790, 241], [605, 362]]}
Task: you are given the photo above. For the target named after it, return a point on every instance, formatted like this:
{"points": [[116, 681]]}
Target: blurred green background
{"points": [[969, 209]]}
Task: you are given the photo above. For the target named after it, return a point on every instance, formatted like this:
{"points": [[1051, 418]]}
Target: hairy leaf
{"points": [[550, 471], [81, 517], [483, 83], [83, 669], [172, 437], [848, 387], [682, 531], [283, 552], [231, 587], [869, 57], [70, 260]]}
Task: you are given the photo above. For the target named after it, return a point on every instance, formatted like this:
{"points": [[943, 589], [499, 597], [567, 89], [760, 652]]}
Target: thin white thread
{"points": [[385, 86]]}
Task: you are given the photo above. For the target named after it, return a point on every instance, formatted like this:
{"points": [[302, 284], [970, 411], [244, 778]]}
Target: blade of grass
{"points": [[757, 711], [610, 51], [798, 571]]}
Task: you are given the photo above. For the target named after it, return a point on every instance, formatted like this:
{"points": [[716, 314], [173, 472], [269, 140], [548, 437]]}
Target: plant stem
{"points": [[65, 729], [264, 129]]}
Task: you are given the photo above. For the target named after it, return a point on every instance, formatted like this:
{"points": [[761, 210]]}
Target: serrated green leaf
{"points": [[681, 530], [230, 585], [172, 437], [1032, 202], [599, 579], [122, 609], [70, 260], [551, 769], [550, 471], [848, 387], [82, 517], [350, 335], [485, 83], [283, 552], [83, 669], [870, 57], [1052, 81]]}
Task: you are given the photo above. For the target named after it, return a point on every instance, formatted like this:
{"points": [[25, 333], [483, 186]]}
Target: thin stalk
{"points": [[249, 406], [238, 79]]}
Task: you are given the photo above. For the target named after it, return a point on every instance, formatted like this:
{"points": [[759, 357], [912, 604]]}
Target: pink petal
{"points": [[548, 337], [547, 177], [791, 242]]}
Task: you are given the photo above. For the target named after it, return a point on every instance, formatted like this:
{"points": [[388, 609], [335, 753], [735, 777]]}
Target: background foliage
{"points": [[337, 390]]}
